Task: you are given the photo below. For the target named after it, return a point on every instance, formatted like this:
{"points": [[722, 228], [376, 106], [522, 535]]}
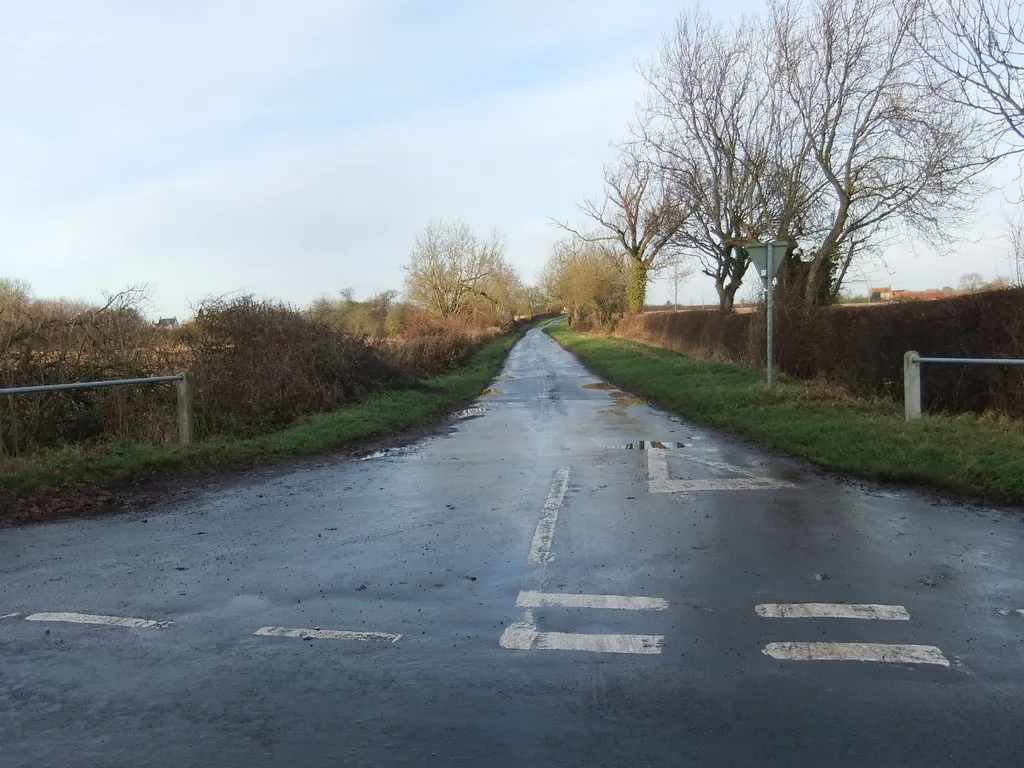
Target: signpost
{"points": [[766, 257]]}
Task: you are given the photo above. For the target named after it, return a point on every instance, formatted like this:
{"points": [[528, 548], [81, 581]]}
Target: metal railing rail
{"points": [[912, 376], [184, 381]]}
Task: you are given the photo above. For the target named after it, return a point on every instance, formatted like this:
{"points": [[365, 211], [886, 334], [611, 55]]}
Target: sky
{"points": [[292, 150]]}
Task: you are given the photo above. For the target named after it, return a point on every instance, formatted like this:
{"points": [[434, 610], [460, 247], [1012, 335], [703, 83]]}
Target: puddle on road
{"points": [[643, 445], [401, 450], [474, 411], [621, 398], [624, 398]]}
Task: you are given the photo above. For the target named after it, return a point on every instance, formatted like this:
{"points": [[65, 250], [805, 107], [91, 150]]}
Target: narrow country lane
{"points": [[563, 577]]}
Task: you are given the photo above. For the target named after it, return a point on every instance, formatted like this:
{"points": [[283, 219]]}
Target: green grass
{"points": [[376, 415], [969, 456]]}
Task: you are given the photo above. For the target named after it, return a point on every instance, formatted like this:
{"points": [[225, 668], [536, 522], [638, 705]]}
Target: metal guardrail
{"points": [[184, 381], [912, 376]]}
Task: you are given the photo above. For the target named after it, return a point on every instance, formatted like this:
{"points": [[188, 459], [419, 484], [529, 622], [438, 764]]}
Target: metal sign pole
{"points": [[762, 256], [770, 277]]}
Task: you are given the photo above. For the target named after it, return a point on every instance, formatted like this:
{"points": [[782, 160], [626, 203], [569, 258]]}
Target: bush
{"points": [[257, 365], [861, 348]]}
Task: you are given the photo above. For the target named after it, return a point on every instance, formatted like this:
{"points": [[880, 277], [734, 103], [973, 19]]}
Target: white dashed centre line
{"points": [[108, 621], [540, 549], [832, 611], [568, 600], [326, 634], [10, 615]]}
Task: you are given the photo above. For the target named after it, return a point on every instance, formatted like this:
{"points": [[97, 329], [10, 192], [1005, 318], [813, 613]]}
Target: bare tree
{"points": [[1016, 238], [640, 214], [703, 126], [586, 277], [977, 49], [894, 154], [972, 282], [451, 268]]}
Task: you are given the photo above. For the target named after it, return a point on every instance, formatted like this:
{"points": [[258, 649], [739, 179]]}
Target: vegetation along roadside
{"points": [[966, 455], [78, 480]]}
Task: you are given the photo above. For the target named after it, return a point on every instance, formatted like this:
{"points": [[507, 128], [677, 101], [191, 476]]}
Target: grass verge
{"points": [[377, 415], [966, 455]]}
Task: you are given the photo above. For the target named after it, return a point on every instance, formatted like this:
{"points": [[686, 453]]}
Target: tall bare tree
{"points": [[641, 214], [814, 126], [1015, 233], [710, 125], [894, 155], [977, 47]]}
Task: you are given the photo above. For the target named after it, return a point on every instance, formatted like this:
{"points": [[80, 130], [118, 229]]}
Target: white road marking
{"points": [[892, 654], [564, 600], [1001, 611], [572, 641], [660, 482], [518, 638], [9, 615], [110, 621], [657, 472], [540, 549], [832, 611], [325, 634]]}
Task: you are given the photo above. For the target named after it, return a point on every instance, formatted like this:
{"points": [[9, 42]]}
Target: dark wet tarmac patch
{"points": [[598, 385], [643, 445]]}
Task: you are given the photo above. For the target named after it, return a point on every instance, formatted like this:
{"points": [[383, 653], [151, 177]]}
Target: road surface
{"points": [[563, 577]]}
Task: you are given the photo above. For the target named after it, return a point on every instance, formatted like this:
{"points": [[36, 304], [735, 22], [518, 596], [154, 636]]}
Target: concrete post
{"points": [[185, 408], [912, 385]]}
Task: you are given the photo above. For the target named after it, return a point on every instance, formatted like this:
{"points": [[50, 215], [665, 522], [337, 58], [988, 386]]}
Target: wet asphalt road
{"points": [[434, 543]]}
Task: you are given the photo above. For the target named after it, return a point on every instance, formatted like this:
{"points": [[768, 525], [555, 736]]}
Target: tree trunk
{"points": [[805, 283], [636, 289], [726, 295]]}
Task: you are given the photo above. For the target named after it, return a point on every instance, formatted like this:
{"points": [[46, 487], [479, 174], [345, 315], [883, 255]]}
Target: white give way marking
{"points": [[109, 621], [523, 636], [563, 600], [660, 482], [892, 653], [883, 652], [832, 611], [326, 634]]}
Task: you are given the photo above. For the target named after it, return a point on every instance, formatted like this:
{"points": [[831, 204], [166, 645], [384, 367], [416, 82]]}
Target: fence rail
{"points": [[184, 381], [912, 376]]}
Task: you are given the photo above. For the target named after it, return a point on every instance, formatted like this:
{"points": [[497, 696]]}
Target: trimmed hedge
{"points": [[861, 348]]}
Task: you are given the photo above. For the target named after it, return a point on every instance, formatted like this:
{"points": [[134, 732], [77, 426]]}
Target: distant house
{"points": [[167, 322], [881, 293], [933, 294]]}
